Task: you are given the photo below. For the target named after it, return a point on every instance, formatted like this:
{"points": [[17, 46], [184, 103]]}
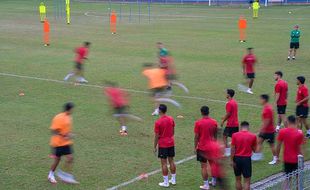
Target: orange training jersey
{"points": [[62, 124], [46, 26], [157, 77], [242, 23]]}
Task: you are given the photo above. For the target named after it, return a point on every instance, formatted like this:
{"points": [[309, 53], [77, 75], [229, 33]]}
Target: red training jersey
{"points": [[116, 96], [164, 127], [281, 88], [232, 108], [81, 54], [249, 61], [206, 129], [245, 143], [302, 93], [292, 139], [267, 113]]}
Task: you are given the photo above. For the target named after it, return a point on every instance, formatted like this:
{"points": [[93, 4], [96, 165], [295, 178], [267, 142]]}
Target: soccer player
{"points": [[293, 139], [267, 131], [248, 63], [242, 145], [61, 143], [294, 45], [119, 101], [205, 131], [242, 28], [302, 105], [157, 83], [280, 93], [81, 55], [113, 21], [46, 31], [232, 124], [256, 7], [164, 145]]}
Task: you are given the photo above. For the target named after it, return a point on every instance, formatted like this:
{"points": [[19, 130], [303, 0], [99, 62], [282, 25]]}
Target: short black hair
{"points": [[204, 110], [265, 97], [250, 48], [291, 119], [301, 79], [245, 124], [159, 43], [231, 92], [162, 108], [279, 73], [68, 106], [87, 43]]}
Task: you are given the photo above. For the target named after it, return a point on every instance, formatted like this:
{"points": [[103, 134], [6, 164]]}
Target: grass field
{"points": [[207, 53]]}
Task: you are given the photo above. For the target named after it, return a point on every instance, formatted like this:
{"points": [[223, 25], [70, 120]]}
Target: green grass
{"points": [[207, 55]]}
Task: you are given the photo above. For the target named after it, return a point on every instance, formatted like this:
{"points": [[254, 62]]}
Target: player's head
{"points": [[162, 109], [68, 107], [204, 110], [264, 98], [296, 27], [41, 3], [278, 75], [230, 93], [291, 120], [160, 45], [245, 125], [87, 44], [301, 80], [250, 50]]}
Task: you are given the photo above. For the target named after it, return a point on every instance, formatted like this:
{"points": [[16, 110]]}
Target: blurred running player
{"points": [[119, 102], [61, 143], [205, 131], [231, 119], [267, 131], [164, 145], [280, 93], [81, 55], [302, 105], [157, 83], [248, 63], [294, 45]]}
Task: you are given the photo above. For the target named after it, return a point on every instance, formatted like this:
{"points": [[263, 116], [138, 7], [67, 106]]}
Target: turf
{"points": [[207, 53]]}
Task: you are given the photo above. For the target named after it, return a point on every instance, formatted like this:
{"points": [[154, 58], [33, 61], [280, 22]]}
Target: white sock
{"points": [[51, 173], [213, 180], [166, 179], [173, 177], [308, 131], [206, 183], [275, 158]]}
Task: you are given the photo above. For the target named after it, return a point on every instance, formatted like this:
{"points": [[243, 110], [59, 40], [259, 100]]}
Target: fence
{"points": [[298, 180]]}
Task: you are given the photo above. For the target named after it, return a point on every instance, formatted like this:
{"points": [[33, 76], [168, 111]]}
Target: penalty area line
{"points": [[126, 89], [149, 174]]}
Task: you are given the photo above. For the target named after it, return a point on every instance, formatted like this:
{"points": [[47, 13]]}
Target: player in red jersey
{"points": [[280, 93], [248, 65], [205, 131], [119, 102], [293, 139], [302, 105], [81, 55], [232, 124], [164, 145], [267, 131], [242, 145]]}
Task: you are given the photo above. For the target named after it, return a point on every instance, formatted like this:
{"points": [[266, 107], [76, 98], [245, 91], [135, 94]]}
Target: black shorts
{"points": [[201, 156], [121, 110], [62, 150], [267, 136], [157, 92], [302, 111], [229, 131], [166, 152], [250, 75], [281, 109], [289, 167], [78, 66], [294, 45], [243, 165]]}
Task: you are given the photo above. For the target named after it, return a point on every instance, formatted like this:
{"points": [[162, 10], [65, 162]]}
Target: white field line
{"points": [[186, 17], [148, 174], [126, 89]]}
